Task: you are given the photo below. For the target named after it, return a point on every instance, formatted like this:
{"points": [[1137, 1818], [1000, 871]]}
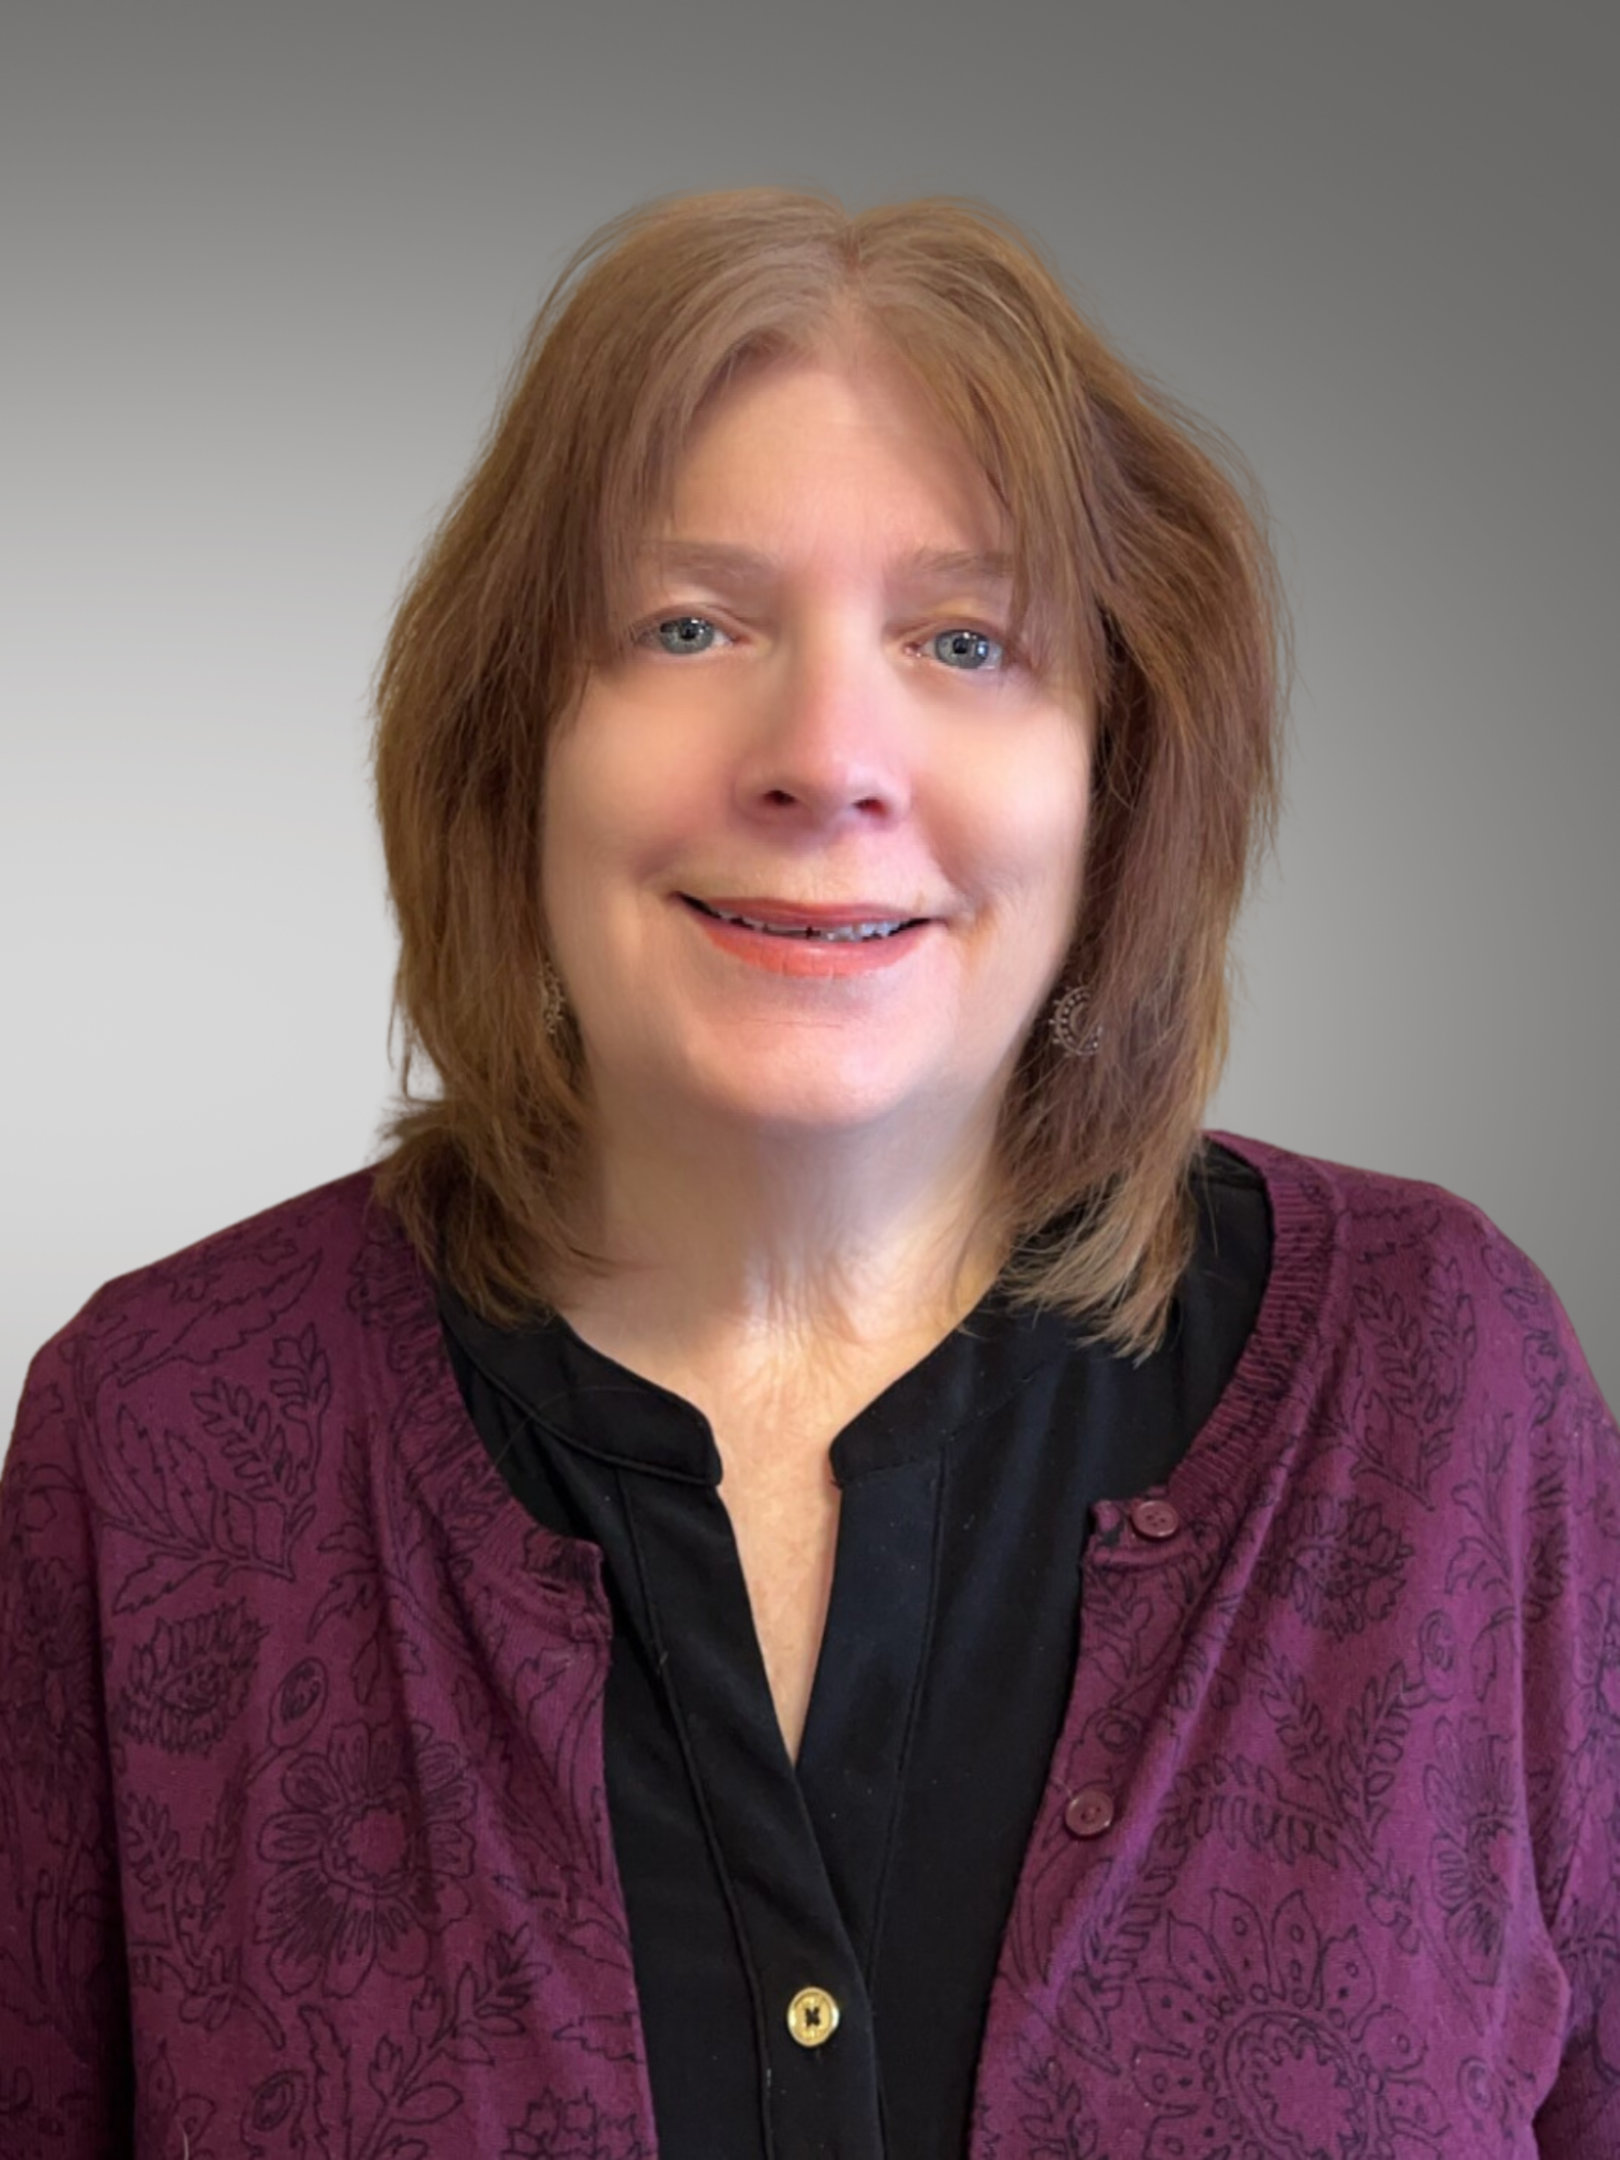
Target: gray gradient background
{"points": [[264, 272]]}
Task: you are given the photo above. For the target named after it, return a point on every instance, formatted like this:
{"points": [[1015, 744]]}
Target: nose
{"points": [[828, 743]]}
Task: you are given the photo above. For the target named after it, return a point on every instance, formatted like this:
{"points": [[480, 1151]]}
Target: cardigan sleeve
{"points": [[1567, 1505], [66, 2083]]}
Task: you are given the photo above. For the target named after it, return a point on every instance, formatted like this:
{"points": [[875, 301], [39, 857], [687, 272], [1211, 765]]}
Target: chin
{"points": [[804, 1096]]}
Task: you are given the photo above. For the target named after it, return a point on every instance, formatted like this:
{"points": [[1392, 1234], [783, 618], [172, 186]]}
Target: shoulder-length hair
{"points": [[1141, 568]]}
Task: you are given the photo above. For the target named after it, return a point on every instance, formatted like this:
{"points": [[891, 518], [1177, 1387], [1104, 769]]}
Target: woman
{"points": [[808, 1567]]}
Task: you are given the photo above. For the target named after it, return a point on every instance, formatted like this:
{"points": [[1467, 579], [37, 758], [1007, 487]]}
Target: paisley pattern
{"points": [[1359, 1895], [304, 1848], [1271, 2043]]}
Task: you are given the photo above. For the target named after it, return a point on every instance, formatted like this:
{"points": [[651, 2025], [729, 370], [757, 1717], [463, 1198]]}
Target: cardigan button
{"points": [[812, 2017], [1154, 1519], [1090, 1812]]}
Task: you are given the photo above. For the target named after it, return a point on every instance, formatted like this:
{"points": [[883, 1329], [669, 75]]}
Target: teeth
{"points": [[837, 934]]}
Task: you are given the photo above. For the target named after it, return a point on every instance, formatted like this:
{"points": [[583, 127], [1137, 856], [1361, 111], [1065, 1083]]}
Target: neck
{"points": [[735, 1256]]}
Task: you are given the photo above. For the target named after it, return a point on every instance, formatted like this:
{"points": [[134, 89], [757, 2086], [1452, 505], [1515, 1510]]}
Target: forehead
{"points": [[798, 454]]}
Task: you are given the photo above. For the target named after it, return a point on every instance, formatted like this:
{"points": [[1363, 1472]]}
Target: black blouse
{"points": [[814, 1943]]}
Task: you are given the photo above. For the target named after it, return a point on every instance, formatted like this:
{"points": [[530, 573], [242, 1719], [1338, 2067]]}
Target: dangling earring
{"points": [[553, 1005], [1068, 1024]]}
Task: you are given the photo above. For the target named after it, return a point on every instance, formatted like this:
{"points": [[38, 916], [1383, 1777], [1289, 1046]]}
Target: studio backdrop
{"points": [[264, 274]]}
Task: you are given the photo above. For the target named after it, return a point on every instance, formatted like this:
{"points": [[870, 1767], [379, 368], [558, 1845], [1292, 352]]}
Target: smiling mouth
{"points": [[845, 933]]}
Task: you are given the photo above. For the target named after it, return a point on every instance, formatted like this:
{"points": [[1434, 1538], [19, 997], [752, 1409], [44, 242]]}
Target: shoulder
{"points": [[282, 1300], [299, 1250], [1407, 1317], [1399, 1250], [1433, 1356], [1378, 1209]]}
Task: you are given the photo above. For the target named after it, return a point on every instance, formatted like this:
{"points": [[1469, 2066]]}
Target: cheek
{"points": [[1030, 837], [611, 802]]}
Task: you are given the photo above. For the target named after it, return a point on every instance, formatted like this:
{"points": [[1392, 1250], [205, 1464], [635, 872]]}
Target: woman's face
{"points": [[812, 852]]}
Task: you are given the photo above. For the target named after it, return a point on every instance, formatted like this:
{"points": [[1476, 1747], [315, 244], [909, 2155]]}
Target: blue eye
{"points": [[968, 650], [685, 633]]}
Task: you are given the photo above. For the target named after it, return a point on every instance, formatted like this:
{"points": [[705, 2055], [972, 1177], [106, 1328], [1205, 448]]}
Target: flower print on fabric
{"points": [[189, 1679], [367, 1859], [1273, 2046], [273, 2120], [1469, 1788], [1338, 1561], [1438, 1654], [296, 1706], [555, 2129]]}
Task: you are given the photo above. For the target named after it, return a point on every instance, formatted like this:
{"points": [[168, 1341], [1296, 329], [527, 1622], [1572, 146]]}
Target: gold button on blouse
{"points": [[812, 2016]]}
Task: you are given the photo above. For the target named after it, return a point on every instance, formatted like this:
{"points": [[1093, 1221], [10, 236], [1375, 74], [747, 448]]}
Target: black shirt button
{"points": [[1090, 1812], [1155, 1519]]}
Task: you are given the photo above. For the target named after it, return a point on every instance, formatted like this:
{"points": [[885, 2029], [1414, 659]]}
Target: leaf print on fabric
{"points": [[1248, 1805], [1334, 1803], [1376, 1732], [414, 2077], [391, 1546], [48, 1689], [1597, 1664], [331, 2102], [180, 1913], [1482, 1562], [385, 1296], [169, 2124], [1338, 1561], [277, 1477], [1527, 1296], [1523, 1547], [1469, 1788], [160, 1495], [188, 1681], [1483, 1558], [239, 1498], [1414, 1365], [547, 1795], [1272, 2045], [367, 1859], [557, 2129], [214, 1323], [1055, 2123], [1094, 1976]]}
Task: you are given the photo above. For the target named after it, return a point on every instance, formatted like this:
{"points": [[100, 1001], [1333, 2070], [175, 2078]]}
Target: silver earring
{"points": [[553, 1005], [1068, 1024]]}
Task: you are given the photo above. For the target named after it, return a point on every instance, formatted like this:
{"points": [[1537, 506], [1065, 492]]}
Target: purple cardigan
{"points": [[304, 1851]]}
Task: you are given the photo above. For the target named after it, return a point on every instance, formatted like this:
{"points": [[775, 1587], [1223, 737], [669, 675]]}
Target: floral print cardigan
{"points": [[304, 1852]]}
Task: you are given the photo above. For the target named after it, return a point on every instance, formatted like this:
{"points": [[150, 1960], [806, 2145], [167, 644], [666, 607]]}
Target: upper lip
{"points": [[790, 913]]}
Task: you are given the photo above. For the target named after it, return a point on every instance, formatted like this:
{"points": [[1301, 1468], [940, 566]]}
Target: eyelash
{"points": [[645, 634]]}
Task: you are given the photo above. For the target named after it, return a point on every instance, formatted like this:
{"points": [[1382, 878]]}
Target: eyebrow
{"points": [[719, 560]]}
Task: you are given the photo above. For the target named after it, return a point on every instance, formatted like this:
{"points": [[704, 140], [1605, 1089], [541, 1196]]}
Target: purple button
{"points": [[1090, 1812], [1155, 1519]]}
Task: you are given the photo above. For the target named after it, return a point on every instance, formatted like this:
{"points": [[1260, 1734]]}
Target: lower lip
{"points": [[818, 957]]}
